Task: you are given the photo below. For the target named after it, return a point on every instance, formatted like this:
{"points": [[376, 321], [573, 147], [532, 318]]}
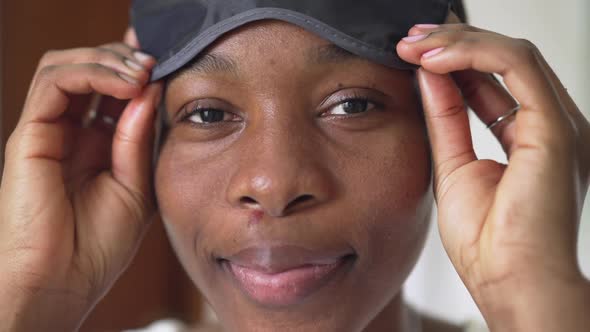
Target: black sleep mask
{"points": [[176, 31]]}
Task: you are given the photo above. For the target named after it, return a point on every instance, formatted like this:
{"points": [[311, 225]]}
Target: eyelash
{"points": [[371, 106], [188, 114]]}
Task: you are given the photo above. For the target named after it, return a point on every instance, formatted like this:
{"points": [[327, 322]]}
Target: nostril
{"points": [[298, 201], [280, 210], [248, 201]]}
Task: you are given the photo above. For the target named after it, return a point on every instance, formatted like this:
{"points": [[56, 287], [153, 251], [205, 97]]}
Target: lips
{"points": [[284, 275]]}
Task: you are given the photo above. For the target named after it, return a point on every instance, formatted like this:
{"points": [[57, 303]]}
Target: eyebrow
{"points": [[211, 63]]}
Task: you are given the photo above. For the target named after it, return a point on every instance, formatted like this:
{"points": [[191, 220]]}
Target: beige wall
{"points": [[561, 30]]}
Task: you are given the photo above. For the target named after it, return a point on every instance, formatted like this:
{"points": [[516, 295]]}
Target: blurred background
{"points": [[561, 30], [155, 285]]}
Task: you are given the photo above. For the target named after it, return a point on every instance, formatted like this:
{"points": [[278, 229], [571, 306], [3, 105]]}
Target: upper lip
{"points": [[273, 259]]}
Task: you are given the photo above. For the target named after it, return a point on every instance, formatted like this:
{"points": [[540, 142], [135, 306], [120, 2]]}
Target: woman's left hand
{"points": [[510, 230]]}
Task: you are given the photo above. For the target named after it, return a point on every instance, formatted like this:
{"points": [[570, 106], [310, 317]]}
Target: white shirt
{"points": [[173, 325]]}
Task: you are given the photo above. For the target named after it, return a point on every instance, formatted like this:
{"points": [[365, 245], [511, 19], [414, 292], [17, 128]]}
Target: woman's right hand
{"points": [[75, 202]]}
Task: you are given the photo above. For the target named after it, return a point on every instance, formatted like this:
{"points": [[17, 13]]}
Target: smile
{"points": [[285, 275]]}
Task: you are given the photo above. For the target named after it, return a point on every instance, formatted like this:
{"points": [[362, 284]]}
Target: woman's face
{"points": [[294, 180]]}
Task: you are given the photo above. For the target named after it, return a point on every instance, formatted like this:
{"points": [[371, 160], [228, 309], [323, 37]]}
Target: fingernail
{"points": [[427, 26], [413, 39], [433, 52], [128, 78], [133, 65], [142, 57]]}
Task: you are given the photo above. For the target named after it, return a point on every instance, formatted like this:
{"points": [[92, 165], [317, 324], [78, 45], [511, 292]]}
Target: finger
{"points": [[564, 95], [544, 147], [580, 122], [133, 143], [108, 110], [448, 126], [108, 113], [43, 114], [489, 100], [543, 119], [104, 55], [429, 29], [144, 59], [130, 38], [109, 107], [514, 60], [483, 92], [452, 22], [92, 148], [53, 86]]}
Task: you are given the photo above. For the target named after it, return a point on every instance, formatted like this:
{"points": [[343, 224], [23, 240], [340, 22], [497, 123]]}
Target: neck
{"points": [[396, 316]]}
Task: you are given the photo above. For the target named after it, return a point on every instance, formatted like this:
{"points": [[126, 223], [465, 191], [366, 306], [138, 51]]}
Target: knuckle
{"points": [[103, 55], [47, 59], [108, 46], [46, 74], [19, 139], [10, 147], [122, 136], [562, 147], [467, 27], [96, 68], [460, 34], [469, 40], [29, 132], [527, 45], [525, 51], [466, 39], [122, 46], [450, 111]]}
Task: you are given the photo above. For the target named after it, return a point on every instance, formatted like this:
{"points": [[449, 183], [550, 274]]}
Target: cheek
{"points": [[187, 187], [382, 208], [392, 179]]}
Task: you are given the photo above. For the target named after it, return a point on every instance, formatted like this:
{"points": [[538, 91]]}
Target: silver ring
{"points": [[92, 112], [93, 115], [504, 117]]}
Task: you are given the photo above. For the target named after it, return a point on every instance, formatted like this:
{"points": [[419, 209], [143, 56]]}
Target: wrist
{"points": [[41, 310], [534, 305]]}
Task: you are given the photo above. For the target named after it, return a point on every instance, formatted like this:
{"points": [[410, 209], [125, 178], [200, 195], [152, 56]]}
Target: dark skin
{"points": [[70, 220], [245, 173]]}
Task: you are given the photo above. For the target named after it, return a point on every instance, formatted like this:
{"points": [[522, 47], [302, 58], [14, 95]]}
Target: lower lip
{"points": [[284, 288]]}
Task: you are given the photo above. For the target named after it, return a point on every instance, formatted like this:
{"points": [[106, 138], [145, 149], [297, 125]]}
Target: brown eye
{"points": [[351, 106], [209, 115]]}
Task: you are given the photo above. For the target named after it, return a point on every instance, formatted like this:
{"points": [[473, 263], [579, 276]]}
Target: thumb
{"points": [[133, 142], [448, 125]]}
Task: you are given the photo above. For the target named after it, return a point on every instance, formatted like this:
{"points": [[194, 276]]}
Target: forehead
{"points": [[271, 33], [266, 42]]}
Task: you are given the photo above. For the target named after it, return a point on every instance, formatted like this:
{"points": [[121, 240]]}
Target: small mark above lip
{"points": [[255, 217]]}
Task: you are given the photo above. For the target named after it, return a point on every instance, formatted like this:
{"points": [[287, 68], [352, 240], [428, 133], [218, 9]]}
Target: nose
{"points": [[280, 175]]}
